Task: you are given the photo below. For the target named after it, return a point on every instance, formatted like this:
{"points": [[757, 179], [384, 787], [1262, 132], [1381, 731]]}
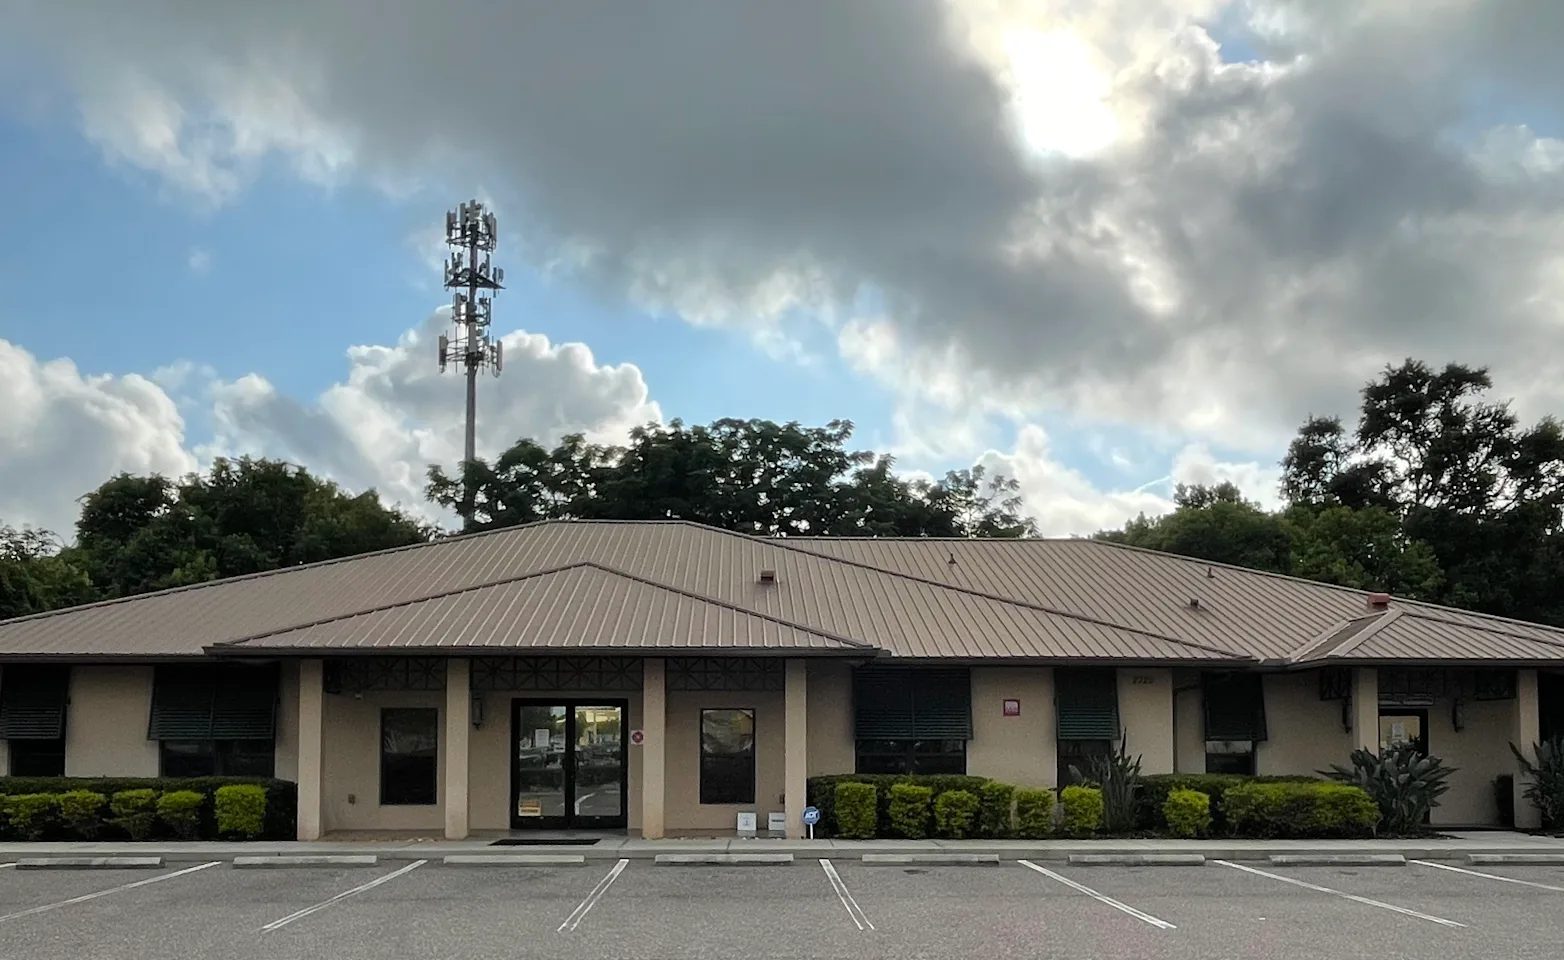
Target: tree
{"points": [[35, 576], [752, 476], [146, 533], [1213, 523]]}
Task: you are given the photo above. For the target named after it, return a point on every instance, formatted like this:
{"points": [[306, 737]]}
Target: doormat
{"points": [[544, 842]]}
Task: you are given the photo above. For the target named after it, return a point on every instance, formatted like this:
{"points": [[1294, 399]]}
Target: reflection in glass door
{"points": [[570, 768]]}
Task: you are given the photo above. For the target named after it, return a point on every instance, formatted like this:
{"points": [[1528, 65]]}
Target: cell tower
{"points": [[471, 233]]}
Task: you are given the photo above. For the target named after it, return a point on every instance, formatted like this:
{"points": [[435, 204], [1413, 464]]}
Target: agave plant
{"points": [[1117, 775], [1546, 789], [1405, 784]]}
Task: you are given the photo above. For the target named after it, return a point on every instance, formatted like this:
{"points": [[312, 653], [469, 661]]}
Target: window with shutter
{"points": [[32, 701], [1234, 706], [1086, 702], [213, 701], [912, 703]]}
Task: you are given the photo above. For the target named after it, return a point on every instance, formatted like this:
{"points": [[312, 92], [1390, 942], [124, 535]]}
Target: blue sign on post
{"points": [[811, 817]]}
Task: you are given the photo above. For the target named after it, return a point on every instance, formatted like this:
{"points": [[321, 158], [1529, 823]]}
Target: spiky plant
{"points": [[1118, 776], [1403, 783], [1545, 788]]}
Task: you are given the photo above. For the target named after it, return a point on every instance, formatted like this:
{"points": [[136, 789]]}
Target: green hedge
{"points": [[279, 823], [1188, 813], [1153, 796], [996, 810], [1034, 813], [1080, 810], [909, 810], [1299, 810], [853, 806], [955, 815], [822, 794]]}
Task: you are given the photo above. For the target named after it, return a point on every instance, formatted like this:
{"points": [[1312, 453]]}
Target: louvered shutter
{"points": [[1086, 702], [912, 703], [882, 704], [213, 702], [941, 704], [246, 704], [1234, 706], [32, 701]]}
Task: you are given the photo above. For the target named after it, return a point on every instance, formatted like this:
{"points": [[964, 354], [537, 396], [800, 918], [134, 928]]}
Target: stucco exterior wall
{"points": [[287, 762], [1189, 723], [830, 722], [1479, 752], [106, 723], [1146, 713], [683, 813], [1020, 750], [350, 759], [1305, 732]]}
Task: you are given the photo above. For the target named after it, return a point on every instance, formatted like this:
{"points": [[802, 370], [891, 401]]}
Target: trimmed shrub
{"points": [[1188, 813], [909, 810], [821, 793], [996, 805], [31, 815], [1082, 810], [955, 812], [1300, 810], [81, 812], [180, 811], [1154, 792], [135, 812], [854, 810], [240, 811], [282, 798], [1034, 813]]}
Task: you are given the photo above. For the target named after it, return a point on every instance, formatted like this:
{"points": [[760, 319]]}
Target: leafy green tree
{"points": [[1213, 523], [36, 575]]}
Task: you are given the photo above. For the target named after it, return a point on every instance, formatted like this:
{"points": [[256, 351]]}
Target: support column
{"points": [[795, 763], [654, 751], [1365, 708], [312, 702], [458, 717], [1526, 732]]}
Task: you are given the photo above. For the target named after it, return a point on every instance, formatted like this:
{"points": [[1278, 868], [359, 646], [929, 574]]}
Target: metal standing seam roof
{"points": [[1414, 636], [1025, 600]]}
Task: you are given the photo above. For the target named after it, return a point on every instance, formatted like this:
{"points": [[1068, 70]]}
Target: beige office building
{"points": [[663, 678]]}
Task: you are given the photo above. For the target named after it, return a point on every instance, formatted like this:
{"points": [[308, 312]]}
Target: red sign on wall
{"points": [[1012, 708]]}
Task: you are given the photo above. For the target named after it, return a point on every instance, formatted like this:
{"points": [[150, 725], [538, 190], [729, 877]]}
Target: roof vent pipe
{"points": [[768, 576], [952, 560], [1378, 601]]}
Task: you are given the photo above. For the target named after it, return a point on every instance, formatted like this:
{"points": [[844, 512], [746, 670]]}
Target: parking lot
{"points": [[841, 908]]}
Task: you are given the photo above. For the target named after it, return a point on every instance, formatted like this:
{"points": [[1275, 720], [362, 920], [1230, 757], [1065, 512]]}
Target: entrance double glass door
{"points": [[568, 764]]}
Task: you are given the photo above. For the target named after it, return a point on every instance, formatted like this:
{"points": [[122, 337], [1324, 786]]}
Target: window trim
{"points": [[754, 757], [438, 749]]}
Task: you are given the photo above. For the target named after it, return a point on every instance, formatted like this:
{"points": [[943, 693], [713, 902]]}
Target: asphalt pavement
{"points": [[809, 909]]}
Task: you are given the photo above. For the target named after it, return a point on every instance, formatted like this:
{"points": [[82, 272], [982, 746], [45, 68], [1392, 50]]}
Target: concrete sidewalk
{"points": [[1457, 846]]}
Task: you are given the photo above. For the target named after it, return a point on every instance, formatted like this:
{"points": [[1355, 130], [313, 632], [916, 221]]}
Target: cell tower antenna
{"points": [[472, 234]]}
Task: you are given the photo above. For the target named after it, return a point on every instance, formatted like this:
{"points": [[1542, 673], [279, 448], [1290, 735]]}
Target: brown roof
{"points": [[1415, 635], [681, 585]]}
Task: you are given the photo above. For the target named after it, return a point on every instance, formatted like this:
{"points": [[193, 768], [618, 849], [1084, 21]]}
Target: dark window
{"points": [[1079, 754], [38, 758], [217, 758], [409, 756], [911, 756], [1230, 757], [727, 756]]}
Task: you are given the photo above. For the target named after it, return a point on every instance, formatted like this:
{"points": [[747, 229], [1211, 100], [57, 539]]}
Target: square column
{"points": [[1365, 708], [795, 764], [312, 702], [458, 716], [1526, 732], [654, 751]]}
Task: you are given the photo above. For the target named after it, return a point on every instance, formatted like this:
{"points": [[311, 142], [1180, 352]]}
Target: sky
{"points": [[1102, 247]]}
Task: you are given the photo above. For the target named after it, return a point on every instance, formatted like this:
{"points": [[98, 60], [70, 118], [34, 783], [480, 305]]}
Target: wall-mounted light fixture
{"points": [[477, 711]]}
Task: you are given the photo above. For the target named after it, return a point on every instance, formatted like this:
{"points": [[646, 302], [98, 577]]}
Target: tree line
{"points": [[1435, 492]]}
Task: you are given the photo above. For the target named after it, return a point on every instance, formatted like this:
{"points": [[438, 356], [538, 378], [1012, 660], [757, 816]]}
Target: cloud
{"points": [[64, 433], [199, 261]]}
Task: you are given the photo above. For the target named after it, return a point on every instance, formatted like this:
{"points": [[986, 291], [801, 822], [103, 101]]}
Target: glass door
{"points": [[569, 765]]}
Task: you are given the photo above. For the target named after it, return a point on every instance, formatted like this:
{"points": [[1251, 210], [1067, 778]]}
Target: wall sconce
{"points": [[1458, 715], [477, 711]]}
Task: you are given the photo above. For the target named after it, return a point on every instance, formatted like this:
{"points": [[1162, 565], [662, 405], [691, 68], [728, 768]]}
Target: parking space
{"points": [[847, 909]]}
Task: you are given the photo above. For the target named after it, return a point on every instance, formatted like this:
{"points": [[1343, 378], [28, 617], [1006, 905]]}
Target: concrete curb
{"points": [[515, 860], [306, 861], [1518, 859], [1138, 859], [722, 859], [1341, 860], [89, 863], [932, 859]]}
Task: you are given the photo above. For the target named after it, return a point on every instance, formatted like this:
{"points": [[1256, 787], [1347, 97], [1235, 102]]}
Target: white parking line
{"points": [[1486, 876], [1100, 898], [853, 910], [1344, 895], [103, 893], [301, 914], [582, 908], [4, 865]]}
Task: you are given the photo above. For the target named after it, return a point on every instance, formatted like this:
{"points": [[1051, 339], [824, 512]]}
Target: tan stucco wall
{"points": [[488, 752], [1305, 732], [287, 763], [1146, 713], [1020, 750], [1479, 753], [106, 723], [350, 758], [830, 709], [1189, 722], [683, 811]]}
